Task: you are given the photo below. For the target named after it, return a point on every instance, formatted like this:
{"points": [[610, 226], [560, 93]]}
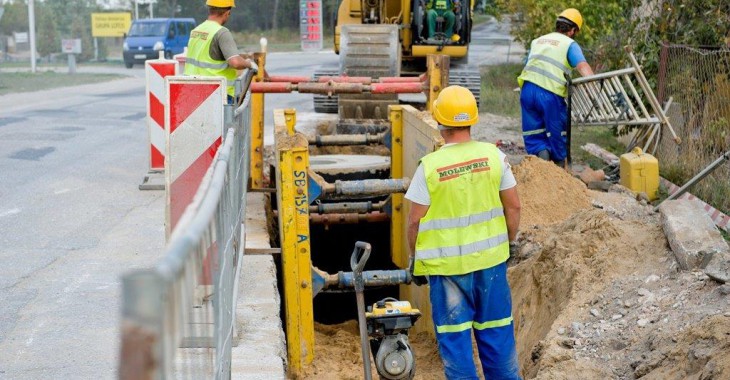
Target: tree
{"points": [[47, 37]]}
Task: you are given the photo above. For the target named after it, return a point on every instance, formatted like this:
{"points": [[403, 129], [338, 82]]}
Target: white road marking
{"points": [[9, 212]]}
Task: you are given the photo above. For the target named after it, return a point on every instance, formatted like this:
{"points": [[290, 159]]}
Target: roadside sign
{"points": [[310, 16], [110, 24], [71, 46], [20, 38]]}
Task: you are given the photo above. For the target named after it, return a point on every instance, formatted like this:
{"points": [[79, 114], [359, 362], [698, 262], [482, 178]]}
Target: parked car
{"points": [[147, 37]]}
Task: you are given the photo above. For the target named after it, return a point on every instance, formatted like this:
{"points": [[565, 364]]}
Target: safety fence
{"points": [[695, 82], [178, 317]]}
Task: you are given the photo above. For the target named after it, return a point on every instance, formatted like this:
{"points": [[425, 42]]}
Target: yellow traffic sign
{"points": [[110, 24]]}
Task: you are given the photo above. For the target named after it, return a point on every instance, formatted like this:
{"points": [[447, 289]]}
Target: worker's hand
{"points": [[418, 280], [514, 249], [253, 66]]}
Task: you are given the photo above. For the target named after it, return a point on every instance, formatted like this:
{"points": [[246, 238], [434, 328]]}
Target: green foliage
{"points": [[611, 24], [15, 18], [47, 40]]}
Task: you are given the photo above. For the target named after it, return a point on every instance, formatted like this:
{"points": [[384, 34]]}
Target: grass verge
{"points": [[601, 136], [24, 82], [498, 84], [281, 40]]}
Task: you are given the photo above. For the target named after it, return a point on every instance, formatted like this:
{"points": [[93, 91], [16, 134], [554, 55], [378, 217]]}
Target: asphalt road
{"points": [[72, 219]]}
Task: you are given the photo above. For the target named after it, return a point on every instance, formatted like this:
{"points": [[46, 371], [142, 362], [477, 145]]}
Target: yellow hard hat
{"points": [[456, 107], [572, 15], [221, 3]]}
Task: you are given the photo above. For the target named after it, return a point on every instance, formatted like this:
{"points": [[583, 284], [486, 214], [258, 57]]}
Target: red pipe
{"points": [[288, 78], [271, 88], [346, 79], [337, 88], [399, 79], [396, 88]]}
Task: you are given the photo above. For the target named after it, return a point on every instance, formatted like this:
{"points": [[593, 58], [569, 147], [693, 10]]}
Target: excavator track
{"points": [[369, 50], [324, 103], [470, 79]]}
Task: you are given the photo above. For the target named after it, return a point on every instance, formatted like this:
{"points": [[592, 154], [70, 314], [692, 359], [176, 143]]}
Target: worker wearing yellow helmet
{"points": [[211, 48], [551, 59], [464, 213]]}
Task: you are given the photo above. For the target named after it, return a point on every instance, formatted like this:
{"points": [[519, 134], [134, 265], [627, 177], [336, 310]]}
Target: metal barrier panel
{"points": [[194, 125], [159, 309]]}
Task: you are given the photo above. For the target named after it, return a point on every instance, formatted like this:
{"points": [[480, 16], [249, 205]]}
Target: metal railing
{"points": [[617, 98], [173, 326]]}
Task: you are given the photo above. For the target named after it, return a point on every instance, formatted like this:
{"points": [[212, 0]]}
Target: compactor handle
{"points": [[357, 261]]}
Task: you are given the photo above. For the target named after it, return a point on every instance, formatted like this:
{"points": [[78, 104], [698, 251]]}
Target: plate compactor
{"points": [[384, 327], [388, 322]]}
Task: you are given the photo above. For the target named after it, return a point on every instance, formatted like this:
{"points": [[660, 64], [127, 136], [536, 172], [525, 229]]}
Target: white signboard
{"points": [[71, 46], [21, 38]]}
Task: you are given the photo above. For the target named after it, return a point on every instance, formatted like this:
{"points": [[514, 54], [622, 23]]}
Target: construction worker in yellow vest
{"points": [[465, 211], [551, 59], [211, 49]]}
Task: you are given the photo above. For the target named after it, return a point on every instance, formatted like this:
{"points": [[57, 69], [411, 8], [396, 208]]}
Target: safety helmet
{"points": [[572, 15], [221, 3], [456, 107]]}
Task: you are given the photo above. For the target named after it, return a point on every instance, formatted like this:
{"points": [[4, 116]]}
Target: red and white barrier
{"points": [[194, 124], [155, 72]]}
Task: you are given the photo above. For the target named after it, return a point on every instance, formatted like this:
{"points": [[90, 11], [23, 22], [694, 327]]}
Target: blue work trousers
{"points": [[544, 121], [478, 301]]}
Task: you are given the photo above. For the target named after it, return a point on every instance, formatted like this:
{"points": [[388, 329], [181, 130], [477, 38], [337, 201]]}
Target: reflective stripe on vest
{"points": [[464, 229], [548, 63], [198, 60]]}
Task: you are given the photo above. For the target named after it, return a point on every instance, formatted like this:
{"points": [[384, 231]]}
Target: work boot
{"points": [[544, 154]]}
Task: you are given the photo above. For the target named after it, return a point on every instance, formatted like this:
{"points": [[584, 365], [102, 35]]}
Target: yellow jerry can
{"points": [[639, 172]]}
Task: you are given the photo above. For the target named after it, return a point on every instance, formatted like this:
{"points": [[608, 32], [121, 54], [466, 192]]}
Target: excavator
{"points": [[390, 38]]}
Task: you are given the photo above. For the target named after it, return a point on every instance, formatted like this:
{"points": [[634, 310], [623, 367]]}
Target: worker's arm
{"points": [[418, 211], [511, 205], [237, 62], [577, 60], [584, 69]]}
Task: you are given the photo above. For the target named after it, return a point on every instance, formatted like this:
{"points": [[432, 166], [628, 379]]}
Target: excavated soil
{"points": [[596, 295], [548, 194], [338, 355]]}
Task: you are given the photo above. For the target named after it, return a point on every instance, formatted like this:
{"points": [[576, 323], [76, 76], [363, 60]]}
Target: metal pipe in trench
{"points": [[342, 140], [345, 218], [373, 217], [346, 207]]}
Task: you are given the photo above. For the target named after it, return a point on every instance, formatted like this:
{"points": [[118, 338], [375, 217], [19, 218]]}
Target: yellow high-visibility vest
{"points": [[439, 4], [464, 229], [548, 63], [198, 60]]}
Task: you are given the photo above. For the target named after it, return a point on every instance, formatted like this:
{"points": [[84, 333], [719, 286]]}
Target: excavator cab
{"points": [[377, 38], [461, 30]]}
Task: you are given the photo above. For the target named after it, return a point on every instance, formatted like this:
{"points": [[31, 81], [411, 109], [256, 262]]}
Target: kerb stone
{"points": [[694, 239]]}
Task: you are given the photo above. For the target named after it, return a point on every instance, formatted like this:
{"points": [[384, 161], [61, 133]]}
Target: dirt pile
{"points": [[599, 295], [548, 193], [338, 355]]}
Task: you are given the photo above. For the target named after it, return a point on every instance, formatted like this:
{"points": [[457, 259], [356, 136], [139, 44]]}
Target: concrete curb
{"points": [[261, 350]]}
